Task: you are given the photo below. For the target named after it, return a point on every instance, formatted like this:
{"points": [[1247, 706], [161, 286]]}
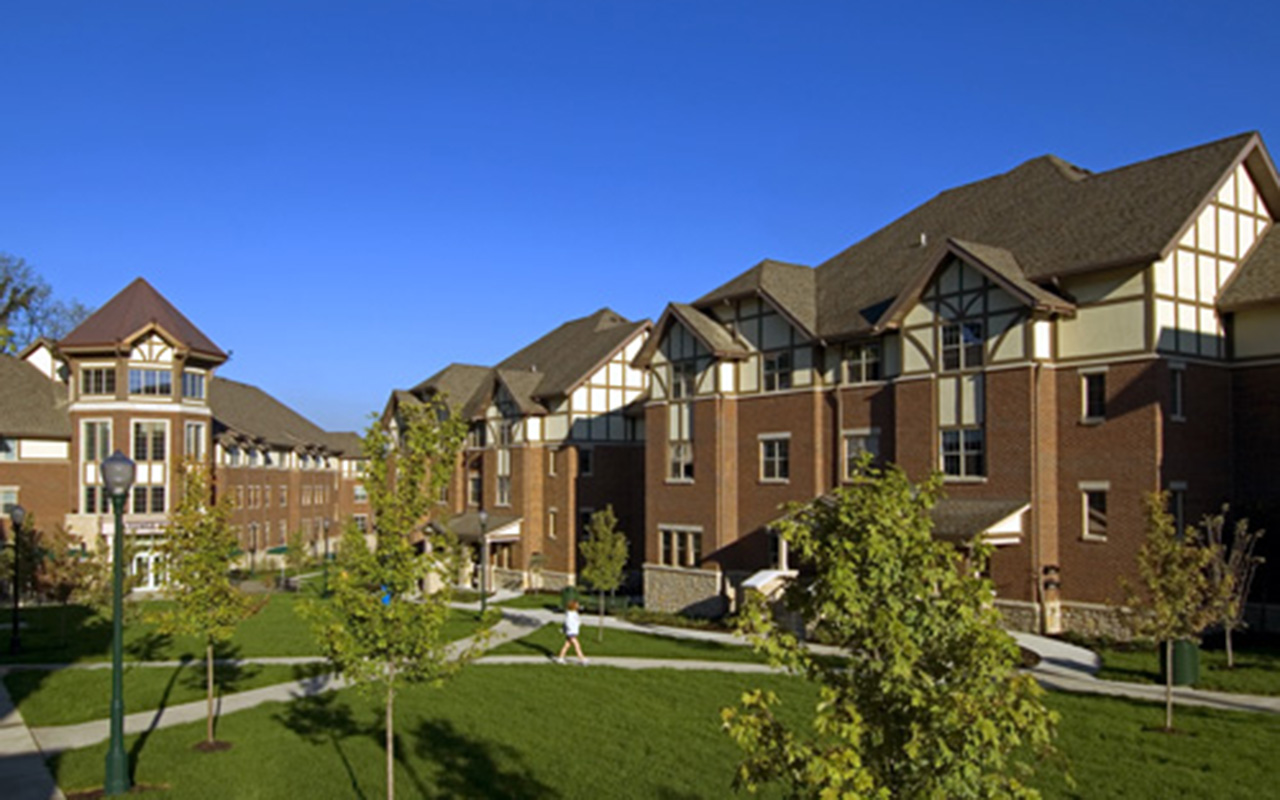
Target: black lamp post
{"points": [[17, 514], [484, 560], [118, 472]]}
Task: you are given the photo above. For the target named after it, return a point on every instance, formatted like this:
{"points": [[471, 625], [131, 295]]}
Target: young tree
{"points": [[604, 555], [196, 553], [297, 555], [378, 628], [1234, 565], [1177, 598], [928, 700]]}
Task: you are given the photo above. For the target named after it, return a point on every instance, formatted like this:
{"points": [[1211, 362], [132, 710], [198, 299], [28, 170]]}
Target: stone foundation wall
{"points": [[694, 592], [549, 581], [510, 579], [1019, 615], [1093, 619]]}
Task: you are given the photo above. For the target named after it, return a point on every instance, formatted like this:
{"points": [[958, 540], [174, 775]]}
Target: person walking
{"points": [[572, 625]]}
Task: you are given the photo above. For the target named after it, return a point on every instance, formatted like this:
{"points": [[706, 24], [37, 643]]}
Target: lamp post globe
{"points": [[17, 515], [118, 473]]}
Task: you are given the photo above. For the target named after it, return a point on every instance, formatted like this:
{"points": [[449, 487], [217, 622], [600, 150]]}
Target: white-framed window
{"points": [[862, 363], [306, 495], [504, 490], [552, 518], [361, 494], [95, 440], [857, 442], [148, 381], [1178, 506], [775, 457], [97, 381], [284, 496], [1093, 395], [150, 452], [1093, 508], [777, 371], [8, 499], [551, 462], [1177, 391], [475, 487], [962, 346], [680, 546], [680, 459], [684, 379], [193, 440], [963, 452], [192, 385], [362, 522], [8, 448], [233, 456]]}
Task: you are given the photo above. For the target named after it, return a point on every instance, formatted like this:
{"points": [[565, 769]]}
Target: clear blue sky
{"points": [[351, 195]]}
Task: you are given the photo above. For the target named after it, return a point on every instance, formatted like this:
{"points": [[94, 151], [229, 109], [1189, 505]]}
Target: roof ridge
{"points": [[1175, 154]]}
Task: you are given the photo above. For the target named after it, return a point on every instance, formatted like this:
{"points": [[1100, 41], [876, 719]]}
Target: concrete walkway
{"points": [[24, 775]]}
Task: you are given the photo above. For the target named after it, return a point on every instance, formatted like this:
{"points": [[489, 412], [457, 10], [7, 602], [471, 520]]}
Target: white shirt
{"points": [[572, 623]]}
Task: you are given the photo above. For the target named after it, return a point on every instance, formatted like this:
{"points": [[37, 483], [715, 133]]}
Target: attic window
{"points": [[151, 382]]}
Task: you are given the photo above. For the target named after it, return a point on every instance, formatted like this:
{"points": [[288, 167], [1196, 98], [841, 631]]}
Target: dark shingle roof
{"points": [[523, 386], [714, 336], [134, 308], [569, 354], [348, 443], [790, 287], [1055, 218], [465, 386], [960, 521], [1258, 278], [31, 404], [247, 410]]}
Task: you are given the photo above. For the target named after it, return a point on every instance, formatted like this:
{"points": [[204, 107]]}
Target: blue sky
{"points": [[349, 196]]}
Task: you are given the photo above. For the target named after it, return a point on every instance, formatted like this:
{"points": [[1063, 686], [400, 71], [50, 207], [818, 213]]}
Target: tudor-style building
{"points": [[1055, 342], [555, 434], [138, 376]]}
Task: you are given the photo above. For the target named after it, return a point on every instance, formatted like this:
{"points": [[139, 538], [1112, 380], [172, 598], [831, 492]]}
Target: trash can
{"points": [[1186, 663], [566, 594]]}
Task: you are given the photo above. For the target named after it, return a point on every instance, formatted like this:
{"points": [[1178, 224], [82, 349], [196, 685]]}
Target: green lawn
{"points": [[68, 634], [548, 731], [1257, 669], [548, 639], [69, 696]]}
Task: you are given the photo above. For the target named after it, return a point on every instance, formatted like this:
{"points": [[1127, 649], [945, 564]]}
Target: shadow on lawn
{"points": [[468, 767], [135, 751], [320, 719], [534, 646]]}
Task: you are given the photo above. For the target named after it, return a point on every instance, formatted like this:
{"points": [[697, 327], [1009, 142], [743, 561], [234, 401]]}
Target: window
{"points": [[96, 500], [1177, 409], [151, 382], [8, 449], [1178, 506], [551, 523], [680, 547], [239, 497], [362, 522], [148, 499], [681, 460], [1093, 389], [777, 371], [362, 494], [551, 463], [8, 499], [233, 456], [504, 490], [474, 487], [284, 496], [684, 376], [193, 385], [255, 457], [855, 444], [193, 443], [775, 458], [476, 435], [862, 363], [95, 441], [306, 495], [148, 441], [585, 459], [962, 345], [1094, 505], [584, 521], [962, 452], [98, 380]]}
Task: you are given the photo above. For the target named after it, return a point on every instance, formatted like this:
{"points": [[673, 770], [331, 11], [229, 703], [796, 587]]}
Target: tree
{"points": [[296, 555], [927, 700], [27, 308], [604, 555], [378, 628], [196, 553], [1234, 565], [1177, 598]]}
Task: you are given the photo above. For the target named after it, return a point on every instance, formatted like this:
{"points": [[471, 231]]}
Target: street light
{"points": [[16, 515], [118, 472], [484, 560]]}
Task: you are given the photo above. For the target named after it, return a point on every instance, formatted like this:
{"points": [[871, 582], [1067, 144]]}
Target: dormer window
{"points": [[157, 382]]}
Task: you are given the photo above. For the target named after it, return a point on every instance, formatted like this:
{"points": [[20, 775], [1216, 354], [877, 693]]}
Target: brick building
{"points": [[556, 433], [138, 376], [1055, 342]]}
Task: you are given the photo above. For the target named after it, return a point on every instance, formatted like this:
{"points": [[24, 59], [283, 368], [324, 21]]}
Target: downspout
{"points": [[1037, 586]]}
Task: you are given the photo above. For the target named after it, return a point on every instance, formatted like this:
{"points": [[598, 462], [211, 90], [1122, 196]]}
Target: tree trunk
{"points": [[391, 753], [600, 630], [1168, 685], [208, 671], [1231, 654]]}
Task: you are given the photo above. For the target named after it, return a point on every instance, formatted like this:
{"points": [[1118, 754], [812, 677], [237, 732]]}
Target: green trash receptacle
{"points": [[566, 594], [1186, 663]]}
